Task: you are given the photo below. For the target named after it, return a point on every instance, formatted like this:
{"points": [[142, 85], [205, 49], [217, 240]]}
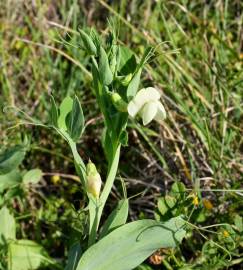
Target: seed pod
{"points": [[93, 184], [105, 72], [113, 58], [88, 43], [118, 102]]}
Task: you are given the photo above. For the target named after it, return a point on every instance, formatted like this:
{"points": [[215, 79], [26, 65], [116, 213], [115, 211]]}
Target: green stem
{"points": [[167, 265], [78, 162], [110, 178], [93, 232], [95, 211]]}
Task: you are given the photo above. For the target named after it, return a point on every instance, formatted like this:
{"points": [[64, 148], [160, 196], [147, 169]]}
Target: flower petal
{"points": [[133, 108], [146, 94], [149, 111], [161, 113], [143, 96]]}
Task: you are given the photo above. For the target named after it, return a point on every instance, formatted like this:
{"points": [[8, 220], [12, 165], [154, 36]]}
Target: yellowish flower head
{"points": [[195, 200], [226, 233], [207, 204]]}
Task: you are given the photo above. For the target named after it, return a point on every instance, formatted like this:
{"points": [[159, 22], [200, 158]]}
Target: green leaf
{"points": [[88, 43], [166, 203], [238, 220], [105, 73], [129, 245], [75, 120], [27, 255], [114, 58], [32, 176], [10, 179], [53, 112], [117, 218], [7, 226], [124, 138], [74, 255], [133, 85], [178, 189], [107, 144], [65, 108], [11, 158], [127, 62]]}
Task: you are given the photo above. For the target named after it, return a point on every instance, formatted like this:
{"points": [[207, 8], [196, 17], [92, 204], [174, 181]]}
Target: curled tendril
{"points": [[19, 111], [162, 226], [210, 240]]}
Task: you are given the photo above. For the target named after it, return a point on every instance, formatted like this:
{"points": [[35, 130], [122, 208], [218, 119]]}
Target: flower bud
{"points": [[118, 102], [126, 80], [93, 180], [88, 43]]}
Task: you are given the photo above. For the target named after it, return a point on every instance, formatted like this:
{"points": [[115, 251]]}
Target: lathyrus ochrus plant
{"points": [[116, 77]]}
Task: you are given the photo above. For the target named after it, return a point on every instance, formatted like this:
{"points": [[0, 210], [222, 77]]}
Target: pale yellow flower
{"points": [[146, 103]]}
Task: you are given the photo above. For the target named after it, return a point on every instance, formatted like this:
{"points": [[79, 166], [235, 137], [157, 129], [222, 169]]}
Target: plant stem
{"points": [[95, 210], [92, 235]]}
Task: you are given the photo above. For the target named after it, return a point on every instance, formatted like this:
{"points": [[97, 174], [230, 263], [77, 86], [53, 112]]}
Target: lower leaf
{"points": [[129, 245]]}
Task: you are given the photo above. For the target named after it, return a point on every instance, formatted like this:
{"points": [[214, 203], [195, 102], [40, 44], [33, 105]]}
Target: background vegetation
{"points": [[199, 69]]}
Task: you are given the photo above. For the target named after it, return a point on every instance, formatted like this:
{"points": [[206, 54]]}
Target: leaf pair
{"points": [[11, 158], [22, 254], [69, 117]]}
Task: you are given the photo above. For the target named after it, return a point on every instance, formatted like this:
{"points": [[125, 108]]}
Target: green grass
{"points": [[198, 67]]}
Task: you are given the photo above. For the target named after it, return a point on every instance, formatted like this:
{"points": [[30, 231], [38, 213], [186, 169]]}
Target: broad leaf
{"points": [[27, 255], [117, 217], [7, 226], [65, 108], [75, 120], [134, 84], [9, 180], [32, 176], [11, 158], [129, 245]]}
